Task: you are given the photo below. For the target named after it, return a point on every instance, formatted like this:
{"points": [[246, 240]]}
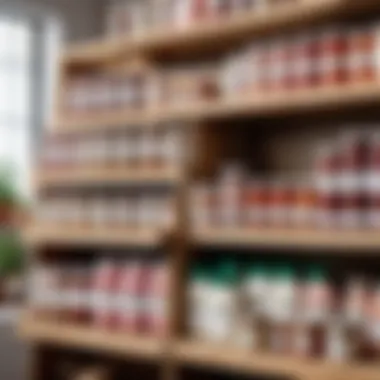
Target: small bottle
{"points": [[198, 292], [282, 309], [223, 302], [316, 308]]}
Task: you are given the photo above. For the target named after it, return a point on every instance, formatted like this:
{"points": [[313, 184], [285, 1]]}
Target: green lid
{"points": [[257, 269], [227, 272], [316, 273], [281, 271], [285, 271]]}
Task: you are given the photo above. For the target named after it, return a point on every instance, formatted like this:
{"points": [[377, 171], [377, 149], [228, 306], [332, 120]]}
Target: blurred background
{"points": [[197, 180]]}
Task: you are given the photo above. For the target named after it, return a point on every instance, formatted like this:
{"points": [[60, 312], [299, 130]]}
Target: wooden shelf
{"points": [[195, 354], [239, 360], [106, 176], [287, 239], [73, 235], [212, 34], [255, 105], [38, 330]]}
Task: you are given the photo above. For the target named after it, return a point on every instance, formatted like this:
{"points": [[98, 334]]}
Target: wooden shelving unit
{"points": [[196, 354], [253, 106], [37, 235], [36, 329], [106, 176], [315, 240], [230, 359], [210, 33], [176, 351]]}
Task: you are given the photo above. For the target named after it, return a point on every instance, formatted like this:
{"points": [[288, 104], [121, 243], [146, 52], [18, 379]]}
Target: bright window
{"points": [[15, 82]]}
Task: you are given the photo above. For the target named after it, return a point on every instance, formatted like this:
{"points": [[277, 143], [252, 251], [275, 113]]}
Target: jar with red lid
{"points": [[276, 65], [283, 65], [130, 296], [281, 201], [263, 62], [328, 167], [250, 75], [364, 64], [354, 149], [303, 213], [255, 203], [103, 284], [374, 182], [314, 48], [300, 63], [229, 196], [334, 61]]}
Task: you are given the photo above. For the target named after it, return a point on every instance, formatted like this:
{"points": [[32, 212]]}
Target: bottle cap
{"points": [[316, 273], [227, 272]]}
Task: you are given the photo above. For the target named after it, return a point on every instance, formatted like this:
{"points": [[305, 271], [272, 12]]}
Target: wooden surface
{"points": [[349, 240], [282, 103], [189, 353], [36, 235], [105, 177], [39, 330], [211, 34], [240, 360]]}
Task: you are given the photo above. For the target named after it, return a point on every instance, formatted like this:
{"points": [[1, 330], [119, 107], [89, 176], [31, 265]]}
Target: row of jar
{"points": [[127, 17], [141, 149], [328, 57], [139, 88], [126, 295], [272, 307], [95, 209], [280, 203]]}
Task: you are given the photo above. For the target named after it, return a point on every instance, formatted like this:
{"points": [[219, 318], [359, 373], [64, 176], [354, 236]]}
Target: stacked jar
{"points": [[278, 308], [342, 191], [152, 147], [330, 57], [129, 295], [347, 181], [237, 200], [136, 210], [93, 94], [136, 17]]}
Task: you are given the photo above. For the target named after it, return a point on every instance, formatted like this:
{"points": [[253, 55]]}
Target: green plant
{"points": [[8, 191], [11, 254]]}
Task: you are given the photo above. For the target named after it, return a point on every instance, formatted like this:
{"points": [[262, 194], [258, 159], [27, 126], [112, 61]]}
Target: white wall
{"points": [[82, 18]]}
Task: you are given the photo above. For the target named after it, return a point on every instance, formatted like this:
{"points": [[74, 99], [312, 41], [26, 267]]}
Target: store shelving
{"points": [[250, 105], [345, 240], [106, 176], [36, 329], [221, 34], [241, 360], [214, 33], [91, 236]]}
